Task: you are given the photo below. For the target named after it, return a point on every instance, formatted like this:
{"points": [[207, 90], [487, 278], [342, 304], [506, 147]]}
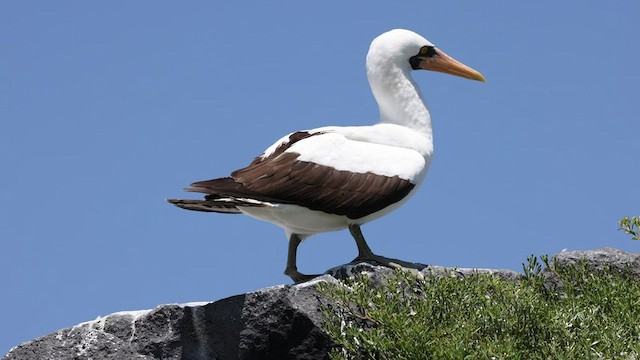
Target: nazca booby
{"points": [[335, 177]]}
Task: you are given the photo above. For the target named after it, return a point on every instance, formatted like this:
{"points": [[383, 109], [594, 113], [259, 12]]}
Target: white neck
{"points": [[399, 98]]}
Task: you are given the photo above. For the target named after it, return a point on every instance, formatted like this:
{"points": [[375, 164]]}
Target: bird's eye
{"points": [[428, 51]]}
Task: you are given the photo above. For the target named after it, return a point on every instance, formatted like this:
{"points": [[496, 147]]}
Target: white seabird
{"points": [[336, 177]]}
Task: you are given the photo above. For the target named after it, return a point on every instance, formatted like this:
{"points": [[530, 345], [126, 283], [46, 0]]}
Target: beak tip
{"points": [[479, 77]]}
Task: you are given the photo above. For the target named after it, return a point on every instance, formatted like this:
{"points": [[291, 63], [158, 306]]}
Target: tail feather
{"points": [[217, 186], [218, 205], [206, 205], [223, 195]]}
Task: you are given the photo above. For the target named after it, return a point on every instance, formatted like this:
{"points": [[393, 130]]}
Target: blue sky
{"points": [[108, 108]]}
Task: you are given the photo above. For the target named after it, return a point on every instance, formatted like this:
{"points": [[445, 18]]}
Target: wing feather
{"points": [[281, 177]]}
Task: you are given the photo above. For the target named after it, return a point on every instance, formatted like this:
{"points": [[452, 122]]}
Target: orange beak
{"points": [[446, 64]]}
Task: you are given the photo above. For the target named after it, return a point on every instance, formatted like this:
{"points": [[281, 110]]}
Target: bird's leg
{"points": [[364, 251], [292, 269]]}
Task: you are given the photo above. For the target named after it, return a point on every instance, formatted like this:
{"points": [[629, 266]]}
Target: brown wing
{"points": [[281, 178]]}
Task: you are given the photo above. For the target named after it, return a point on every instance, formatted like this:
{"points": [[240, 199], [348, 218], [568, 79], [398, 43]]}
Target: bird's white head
{"points": [[391, 58], [405, 50]]}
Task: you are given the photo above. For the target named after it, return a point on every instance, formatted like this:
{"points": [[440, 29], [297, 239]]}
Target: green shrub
{"points": [[631, 225], [484, 317]]}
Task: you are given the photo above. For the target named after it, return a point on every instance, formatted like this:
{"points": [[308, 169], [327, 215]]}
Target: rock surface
{"points": [[280, 322], [596, 260]]}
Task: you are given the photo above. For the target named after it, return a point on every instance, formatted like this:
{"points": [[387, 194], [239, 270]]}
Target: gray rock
{"points": [[378, 273], [596, 260], [280, 322]]}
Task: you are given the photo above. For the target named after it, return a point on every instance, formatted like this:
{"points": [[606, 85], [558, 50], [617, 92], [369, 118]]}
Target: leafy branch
{"points": [[631, 225]]}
